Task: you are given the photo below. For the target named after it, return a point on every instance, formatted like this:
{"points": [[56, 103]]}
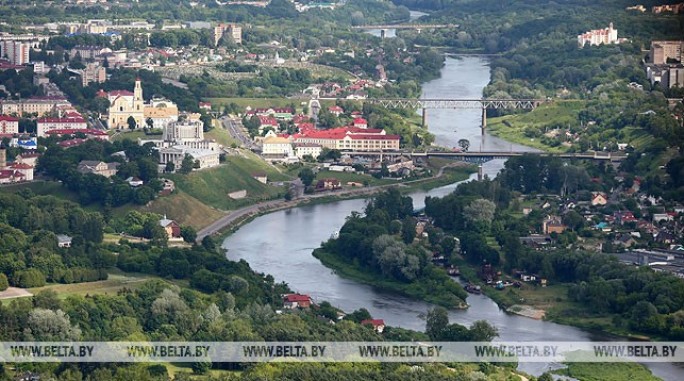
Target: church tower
{"points": [[137, 91]]}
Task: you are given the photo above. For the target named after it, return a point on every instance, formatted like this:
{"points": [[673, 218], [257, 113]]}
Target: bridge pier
{"points": [[484, 120], [424, 120], [383, 32]]}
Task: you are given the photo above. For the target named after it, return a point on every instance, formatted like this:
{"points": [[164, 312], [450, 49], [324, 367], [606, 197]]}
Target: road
{"points": [[273, 205], [237, 131]]}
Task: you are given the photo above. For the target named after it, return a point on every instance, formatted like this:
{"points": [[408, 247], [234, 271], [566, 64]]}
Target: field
{"points": [[211, 186], [512, 127], [117, 280]]}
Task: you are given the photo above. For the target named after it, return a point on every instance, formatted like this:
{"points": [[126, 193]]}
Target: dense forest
{"points": [[383, 242]]}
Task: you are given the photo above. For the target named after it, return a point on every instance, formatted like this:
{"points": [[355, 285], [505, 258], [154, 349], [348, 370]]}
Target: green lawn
{"points": [[211, 186], [42, 188], [346, 177], [512, 127], [221, 135], [607, 372], [132, 135]]}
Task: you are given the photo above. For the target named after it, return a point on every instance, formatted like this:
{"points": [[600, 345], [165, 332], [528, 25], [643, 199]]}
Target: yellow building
{"points": [[124, 104]]}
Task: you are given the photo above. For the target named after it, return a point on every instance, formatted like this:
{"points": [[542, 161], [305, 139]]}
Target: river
{"points": [[281, 243]]}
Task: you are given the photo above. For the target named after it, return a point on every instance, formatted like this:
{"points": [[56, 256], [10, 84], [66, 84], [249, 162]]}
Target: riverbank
{"points": [[229, 223], [422, 289], [549, 303]]}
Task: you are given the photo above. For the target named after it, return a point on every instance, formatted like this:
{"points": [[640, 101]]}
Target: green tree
{"points": [[436, 323], [189, 234], [4, 284], [307, 176], [131, 122], [187, 165]]}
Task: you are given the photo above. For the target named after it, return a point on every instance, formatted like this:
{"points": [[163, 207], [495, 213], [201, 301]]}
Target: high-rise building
{"points": [[661, 51], [17, 52], [232, 30]]}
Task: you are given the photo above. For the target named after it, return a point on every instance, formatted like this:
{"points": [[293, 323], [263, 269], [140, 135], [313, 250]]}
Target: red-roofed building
{"points": [[89, 133], [350, 139], [47, 124], [267, 121], [360, 123], [377, 324], [298, 119], [8, 176], [71, 142], [292, 301], [336, 110], [306, 127], [9, 125], [624, 217], [205, 105], [25, 169]]}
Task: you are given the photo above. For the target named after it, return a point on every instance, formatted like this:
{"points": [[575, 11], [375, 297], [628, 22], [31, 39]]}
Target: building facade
{"points": [[9, 125], [598, 37], [662, 50], [125, 104], [233, 30], [186, 130], [44, 125]]}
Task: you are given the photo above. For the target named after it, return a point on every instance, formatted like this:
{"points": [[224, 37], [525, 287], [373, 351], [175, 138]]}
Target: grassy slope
{"points": [[211, 186], [548, 114], [185, 209]]}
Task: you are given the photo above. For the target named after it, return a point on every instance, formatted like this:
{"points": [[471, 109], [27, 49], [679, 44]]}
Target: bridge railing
{"points": [[527, 104]]}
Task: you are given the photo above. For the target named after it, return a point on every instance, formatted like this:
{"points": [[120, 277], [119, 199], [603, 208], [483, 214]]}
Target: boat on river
{"points": [[472, 288]]}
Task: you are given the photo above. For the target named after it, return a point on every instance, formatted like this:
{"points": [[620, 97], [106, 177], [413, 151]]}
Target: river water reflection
{"points": [[281, 243]]}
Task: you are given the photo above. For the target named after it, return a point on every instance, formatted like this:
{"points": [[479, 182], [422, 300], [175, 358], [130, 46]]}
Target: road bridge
{"points": [[418, 27], [483, 156]]}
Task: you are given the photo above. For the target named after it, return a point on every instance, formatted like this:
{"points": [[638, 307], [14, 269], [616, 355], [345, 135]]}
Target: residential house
{"points": [[377, 324], [624, 217], [134, 182], [172, 228], [553, 224], [658, 217], [292, 301], [599, 198], [360, 123], [168, 186], [536, 241], [63, 240], [624, 240], [328, 184], [336, 110], [98, 167]]}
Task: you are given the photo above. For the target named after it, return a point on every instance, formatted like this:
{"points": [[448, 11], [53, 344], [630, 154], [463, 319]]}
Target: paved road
{"points": [[273, 205], [237, 131]]}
